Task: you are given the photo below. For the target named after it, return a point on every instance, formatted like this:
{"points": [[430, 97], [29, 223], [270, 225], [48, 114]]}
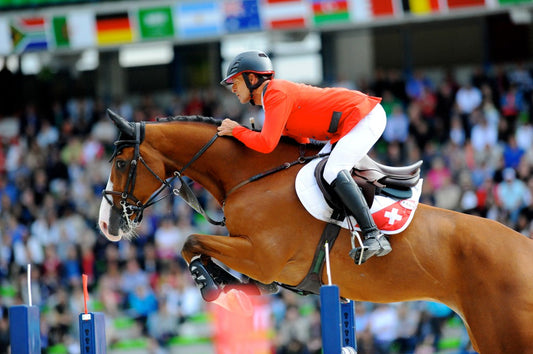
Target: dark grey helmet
{"points": [[253, 61]]}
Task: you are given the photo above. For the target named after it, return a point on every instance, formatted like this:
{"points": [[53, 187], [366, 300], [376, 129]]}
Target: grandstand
{"points": [[62, 63]]}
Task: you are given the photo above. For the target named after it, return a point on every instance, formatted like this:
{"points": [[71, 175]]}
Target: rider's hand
{"points": [[226, 128]]}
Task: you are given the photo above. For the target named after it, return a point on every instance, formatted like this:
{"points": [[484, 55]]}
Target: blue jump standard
{"points": [[338, 321], [92, 333], [24, 329]]}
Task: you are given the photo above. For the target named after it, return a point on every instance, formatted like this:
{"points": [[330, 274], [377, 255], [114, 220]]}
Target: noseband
{"points": [[129, 204]]}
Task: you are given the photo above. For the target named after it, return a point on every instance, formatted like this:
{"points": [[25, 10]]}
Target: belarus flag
{"points": [[285, 14]]}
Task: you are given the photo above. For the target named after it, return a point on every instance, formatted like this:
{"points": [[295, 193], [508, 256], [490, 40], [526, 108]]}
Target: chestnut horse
{"points": [[480, 268]]}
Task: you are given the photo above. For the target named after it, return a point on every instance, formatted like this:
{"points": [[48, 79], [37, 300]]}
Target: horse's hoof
{"points": [[204, 281]]}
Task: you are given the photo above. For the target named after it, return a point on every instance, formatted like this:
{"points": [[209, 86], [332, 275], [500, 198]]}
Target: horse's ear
{"points": [[122, 124]]}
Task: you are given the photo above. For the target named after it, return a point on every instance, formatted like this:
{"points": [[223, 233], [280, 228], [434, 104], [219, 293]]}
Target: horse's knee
{"points": [[190, 247]]}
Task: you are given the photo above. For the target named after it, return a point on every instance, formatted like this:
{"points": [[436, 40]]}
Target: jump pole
{"points": [[337, 318], [92, 327], [24, 325]]}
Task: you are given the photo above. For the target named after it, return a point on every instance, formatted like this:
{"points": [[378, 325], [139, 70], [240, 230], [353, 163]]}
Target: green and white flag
{"points": [[514, 2], [75, 30], [6, 45], [156, 22]]}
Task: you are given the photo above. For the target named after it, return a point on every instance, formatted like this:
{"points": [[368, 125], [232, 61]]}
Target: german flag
{"points": [[114, 28]]}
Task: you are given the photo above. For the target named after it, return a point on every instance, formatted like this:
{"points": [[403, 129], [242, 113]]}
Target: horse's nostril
{"points": [[103, 226]]}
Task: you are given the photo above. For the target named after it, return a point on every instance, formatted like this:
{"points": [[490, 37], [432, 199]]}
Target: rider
{"points": [[350, 121]]}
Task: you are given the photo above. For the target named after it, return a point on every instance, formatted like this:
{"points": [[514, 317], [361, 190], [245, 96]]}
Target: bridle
{"points": [[129, 204]]}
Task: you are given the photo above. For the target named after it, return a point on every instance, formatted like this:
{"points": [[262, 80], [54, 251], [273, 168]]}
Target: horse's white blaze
{"points": [[105, 213]]}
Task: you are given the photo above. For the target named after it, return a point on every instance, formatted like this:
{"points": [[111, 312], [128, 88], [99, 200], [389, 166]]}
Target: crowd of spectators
{"points": [[475, 139]]}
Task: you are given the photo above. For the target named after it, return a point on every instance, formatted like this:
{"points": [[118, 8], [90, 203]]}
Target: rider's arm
{"points": [[277, 110]]}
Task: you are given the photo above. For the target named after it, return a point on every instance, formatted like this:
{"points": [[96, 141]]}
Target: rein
{"points": [[301, 160]]}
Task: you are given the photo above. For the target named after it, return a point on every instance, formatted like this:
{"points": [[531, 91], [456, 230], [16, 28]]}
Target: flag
{"points": [[330, 11], [114, 28], [199, 19], [81, 29], [421, 7], [366, 10], [241, 15], [155, 22], [75, 30], [513, 2], [465, 3], [6, 45], [382, 8], [284, 14], [28, 34], [59, 27]]}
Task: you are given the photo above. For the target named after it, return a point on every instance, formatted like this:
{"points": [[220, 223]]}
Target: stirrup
{"points": [[362, 253]]}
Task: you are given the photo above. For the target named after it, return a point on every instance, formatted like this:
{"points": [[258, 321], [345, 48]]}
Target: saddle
{"points": [[374, 179]]}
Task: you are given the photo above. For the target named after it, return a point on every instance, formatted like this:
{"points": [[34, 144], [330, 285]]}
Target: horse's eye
{"points": [[120, 164]]}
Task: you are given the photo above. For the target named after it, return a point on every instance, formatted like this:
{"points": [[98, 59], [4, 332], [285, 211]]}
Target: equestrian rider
{"points": [[350, 121]]}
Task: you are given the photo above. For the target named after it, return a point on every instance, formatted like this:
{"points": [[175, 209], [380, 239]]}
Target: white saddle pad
{"points": [[391, 215]]}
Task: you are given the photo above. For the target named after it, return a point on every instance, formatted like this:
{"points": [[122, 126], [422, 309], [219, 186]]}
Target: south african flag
{"points": [[28, 34]]}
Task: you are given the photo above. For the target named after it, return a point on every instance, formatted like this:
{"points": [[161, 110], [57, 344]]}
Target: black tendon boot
{"points": [[375, 243]]}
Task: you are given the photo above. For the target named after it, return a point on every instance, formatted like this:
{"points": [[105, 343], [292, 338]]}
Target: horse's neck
{"points": [[225, 164], [222, 166]]}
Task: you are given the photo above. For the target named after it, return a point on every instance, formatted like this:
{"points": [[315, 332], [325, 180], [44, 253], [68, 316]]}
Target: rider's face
{"points": [[240, 90]]}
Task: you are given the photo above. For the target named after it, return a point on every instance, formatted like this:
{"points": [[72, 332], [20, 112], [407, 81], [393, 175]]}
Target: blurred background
{"points": [[456, 81]]}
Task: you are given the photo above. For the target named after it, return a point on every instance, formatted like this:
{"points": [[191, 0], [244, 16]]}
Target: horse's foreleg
{"points": [[234, 252], [224, 248]]}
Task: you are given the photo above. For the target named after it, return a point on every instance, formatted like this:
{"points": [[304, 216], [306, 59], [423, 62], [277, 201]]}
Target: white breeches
{"points": [[352, 147]]}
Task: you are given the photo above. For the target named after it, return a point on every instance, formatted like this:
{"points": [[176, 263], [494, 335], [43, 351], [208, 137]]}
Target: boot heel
{"points": [[385, 247]]}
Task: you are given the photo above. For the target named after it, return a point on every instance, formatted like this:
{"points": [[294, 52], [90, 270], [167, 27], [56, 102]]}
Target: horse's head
{"points": [[135, 176]]}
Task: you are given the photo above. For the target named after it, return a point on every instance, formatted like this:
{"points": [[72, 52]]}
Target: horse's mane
{"points": [[217, 122], [195, 118]]}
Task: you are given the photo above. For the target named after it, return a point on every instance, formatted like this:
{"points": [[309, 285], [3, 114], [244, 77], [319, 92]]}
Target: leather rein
{"points": [[130, 205]]}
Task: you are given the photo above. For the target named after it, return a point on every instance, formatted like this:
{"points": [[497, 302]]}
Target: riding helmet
{"points": [[253, 61]]}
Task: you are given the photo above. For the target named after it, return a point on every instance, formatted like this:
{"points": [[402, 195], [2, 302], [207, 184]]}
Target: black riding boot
{"points": [[374, 243]]}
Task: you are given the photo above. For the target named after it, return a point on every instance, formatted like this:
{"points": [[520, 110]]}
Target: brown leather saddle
{"points": [[374, 179]]}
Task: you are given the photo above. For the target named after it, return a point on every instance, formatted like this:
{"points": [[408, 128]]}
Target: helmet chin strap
{"points": [[251, 87]]}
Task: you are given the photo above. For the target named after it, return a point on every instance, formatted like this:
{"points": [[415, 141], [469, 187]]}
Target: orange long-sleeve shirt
{"points": [[305, 112]]}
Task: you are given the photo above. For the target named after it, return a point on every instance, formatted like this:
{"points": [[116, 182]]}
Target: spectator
{"points": [[438, 314], [293, 333], [141, 304], [162, 325], [467, 99], [512, 153], [383, 324], [133, 277], [484, 136], [168, 239], [512, 193], [397, 128], [408, 319], [438, 173], [27, 250], [512, 104]]}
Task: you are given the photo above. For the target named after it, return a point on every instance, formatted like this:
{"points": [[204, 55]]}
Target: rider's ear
{"points": [[252, 78]]}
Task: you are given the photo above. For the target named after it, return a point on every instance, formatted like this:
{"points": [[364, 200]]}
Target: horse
{"points": [[478, 267]]}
